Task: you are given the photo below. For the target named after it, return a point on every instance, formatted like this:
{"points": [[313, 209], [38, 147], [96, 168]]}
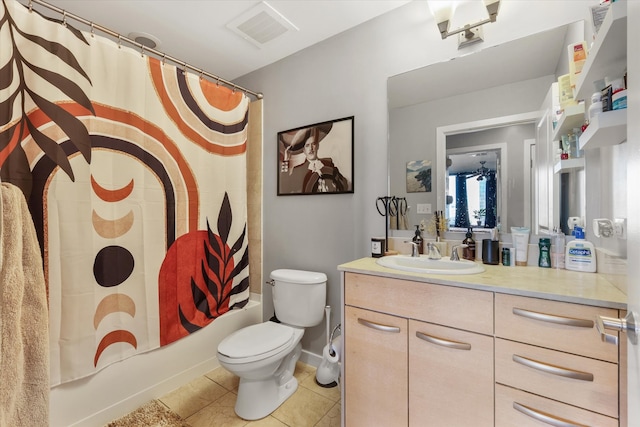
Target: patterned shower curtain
{"points": [[135, 175]]}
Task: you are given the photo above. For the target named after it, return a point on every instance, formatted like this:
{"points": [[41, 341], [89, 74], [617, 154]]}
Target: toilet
{"points": [[264, 355]]}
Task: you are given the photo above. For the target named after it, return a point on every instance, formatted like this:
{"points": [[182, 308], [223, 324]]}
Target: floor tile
{"points": [[332, 393], [332, 418], [304, 409], [225, 378], [218, 414], [191, 397]]}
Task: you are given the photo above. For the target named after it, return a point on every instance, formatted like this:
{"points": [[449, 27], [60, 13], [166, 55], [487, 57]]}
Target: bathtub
{"points": [[126, 385]]}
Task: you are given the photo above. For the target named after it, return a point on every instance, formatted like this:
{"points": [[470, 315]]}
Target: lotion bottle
{"points": [[417, 238], [470, 251], [580, 254]]}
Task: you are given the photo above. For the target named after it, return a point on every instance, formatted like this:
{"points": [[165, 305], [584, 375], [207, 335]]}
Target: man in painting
{"points": [[301, 170]]}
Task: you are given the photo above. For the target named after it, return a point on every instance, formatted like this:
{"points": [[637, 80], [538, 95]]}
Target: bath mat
{"points": [[153, 414]]}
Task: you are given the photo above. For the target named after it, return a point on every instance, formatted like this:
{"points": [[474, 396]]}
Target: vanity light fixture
{"points": [[470, 33]]}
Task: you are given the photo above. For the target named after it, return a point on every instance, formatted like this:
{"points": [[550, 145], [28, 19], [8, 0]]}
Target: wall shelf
{"points": [[605, 129], [573, 117], [568, 165], [608, 55]]}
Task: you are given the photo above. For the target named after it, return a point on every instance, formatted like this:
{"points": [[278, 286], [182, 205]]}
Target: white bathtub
{"points": [[124, 386]]}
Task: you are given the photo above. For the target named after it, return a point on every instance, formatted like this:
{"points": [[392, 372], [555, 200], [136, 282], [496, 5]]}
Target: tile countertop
{"points": [[532, 281]]}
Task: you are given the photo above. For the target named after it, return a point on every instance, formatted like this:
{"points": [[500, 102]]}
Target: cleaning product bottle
{"points": [[470, 251], [544, 259], [580, 254], [418, 239]]}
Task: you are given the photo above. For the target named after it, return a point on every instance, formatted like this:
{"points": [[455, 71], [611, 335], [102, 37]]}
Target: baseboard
{"points": [[311, 359]]}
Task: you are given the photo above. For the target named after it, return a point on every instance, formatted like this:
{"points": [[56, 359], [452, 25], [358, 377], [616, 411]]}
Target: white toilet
{"points": [[264, 356]]}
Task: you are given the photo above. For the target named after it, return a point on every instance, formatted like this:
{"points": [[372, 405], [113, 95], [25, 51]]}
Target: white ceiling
{"points": [[194, 31]]}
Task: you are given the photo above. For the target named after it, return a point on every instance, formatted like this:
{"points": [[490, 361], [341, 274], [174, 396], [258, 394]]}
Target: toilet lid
{"points": [[255, 340]]}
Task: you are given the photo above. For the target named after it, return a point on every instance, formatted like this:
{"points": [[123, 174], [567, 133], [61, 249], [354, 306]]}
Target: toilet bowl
{"points": [[264, 355]]}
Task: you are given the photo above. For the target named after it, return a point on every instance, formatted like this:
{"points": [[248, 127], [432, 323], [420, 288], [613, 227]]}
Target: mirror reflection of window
{"points": [[472, 189]]}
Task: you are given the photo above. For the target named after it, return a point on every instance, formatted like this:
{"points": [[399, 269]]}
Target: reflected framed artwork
{"points": [[419, 176], [316, 159]]}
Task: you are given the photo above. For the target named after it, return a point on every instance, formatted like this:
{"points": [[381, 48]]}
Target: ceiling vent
{"points": [[261, 24]]}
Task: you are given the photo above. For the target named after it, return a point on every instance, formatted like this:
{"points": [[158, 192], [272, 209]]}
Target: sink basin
{"points": [[423, 264]]}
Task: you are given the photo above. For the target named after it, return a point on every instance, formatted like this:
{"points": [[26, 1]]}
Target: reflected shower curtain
{"points": [[135, 173]]}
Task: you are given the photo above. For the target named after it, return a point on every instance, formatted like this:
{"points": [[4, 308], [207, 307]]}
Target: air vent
{"points": [[145, 39], [261, 24]]}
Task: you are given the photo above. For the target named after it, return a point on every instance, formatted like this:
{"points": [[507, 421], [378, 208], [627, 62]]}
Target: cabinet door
{"points": [[375, 371], [450, 377]]}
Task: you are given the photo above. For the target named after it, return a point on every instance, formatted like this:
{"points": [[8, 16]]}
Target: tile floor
{"points": [[208, 401]]}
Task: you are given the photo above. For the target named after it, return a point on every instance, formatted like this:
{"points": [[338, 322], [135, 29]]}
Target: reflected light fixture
{"points": [[471, 33]]}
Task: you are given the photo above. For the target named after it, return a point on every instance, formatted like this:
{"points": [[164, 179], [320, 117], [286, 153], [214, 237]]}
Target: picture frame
{"points": [[419, 178], [317, 158]]}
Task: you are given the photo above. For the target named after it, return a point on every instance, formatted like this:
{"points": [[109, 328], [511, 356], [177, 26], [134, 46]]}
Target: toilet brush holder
{"points": [[328, 373]]}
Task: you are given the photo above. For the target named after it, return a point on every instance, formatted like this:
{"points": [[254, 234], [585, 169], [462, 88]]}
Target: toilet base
{"points": [[259, 398]]}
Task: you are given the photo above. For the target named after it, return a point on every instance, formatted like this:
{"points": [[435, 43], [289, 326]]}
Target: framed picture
{"points": [[419, 176], [316, 159]]}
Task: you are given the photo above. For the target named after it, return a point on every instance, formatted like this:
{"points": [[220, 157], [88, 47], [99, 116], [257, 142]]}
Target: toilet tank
{"points": [[299, 297]]}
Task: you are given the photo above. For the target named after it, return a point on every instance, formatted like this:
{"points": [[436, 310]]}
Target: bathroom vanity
{"points": [[509, 346]]}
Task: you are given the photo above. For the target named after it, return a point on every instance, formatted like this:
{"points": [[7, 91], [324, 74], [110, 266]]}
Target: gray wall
{"points": [[343, 76]]}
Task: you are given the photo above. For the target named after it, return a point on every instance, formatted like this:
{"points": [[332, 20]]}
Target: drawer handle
{"points": [[544, 417], [550, 318], [554, 370], [378, 326], [444, 343]]}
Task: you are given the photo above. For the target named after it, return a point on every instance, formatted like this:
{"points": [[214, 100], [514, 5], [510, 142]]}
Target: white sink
{"points": [[422, 264]]}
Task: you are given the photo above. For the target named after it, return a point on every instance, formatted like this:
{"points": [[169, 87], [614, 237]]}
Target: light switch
{"points": [[424, 208]]}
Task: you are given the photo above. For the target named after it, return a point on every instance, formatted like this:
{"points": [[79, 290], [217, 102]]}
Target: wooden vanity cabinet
{"points": [[416, 354], [376, 364], [550, 362]]}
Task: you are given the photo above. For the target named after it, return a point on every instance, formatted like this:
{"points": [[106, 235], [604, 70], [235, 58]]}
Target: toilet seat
{"points": [[256, 342]]}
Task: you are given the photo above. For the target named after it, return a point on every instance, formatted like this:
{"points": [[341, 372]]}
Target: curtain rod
{"points": [[143, 48]]}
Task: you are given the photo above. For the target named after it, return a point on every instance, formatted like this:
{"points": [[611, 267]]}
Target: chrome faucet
{"points": [[415, 251], [454, 252], [433, 251]]}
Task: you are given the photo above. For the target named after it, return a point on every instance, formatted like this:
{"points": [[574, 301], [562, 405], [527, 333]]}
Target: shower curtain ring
{"points": [[30, 6], [234, 89], [164, 58], [142, 51], [93, 30], [217, 81], [64, 18], [184, 67], [119, 41], [201, 74]]}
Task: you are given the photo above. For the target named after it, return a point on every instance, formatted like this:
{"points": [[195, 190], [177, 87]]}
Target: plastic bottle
{"points": [[544, 259], [470, 251], [580, 254], [418, 239], [557, 249]]}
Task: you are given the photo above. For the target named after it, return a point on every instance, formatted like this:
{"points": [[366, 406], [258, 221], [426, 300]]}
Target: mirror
{"points": [[489, 100]]}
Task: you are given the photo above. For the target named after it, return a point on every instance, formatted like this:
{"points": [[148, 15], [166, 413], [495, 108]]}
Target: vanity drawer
{"points": [[576, 380], [552, 324], [461, 308], [522, 409]]}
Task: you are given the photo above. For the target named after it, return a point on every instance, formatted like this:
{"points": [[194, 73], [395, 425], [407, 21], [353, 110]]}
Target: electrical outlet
{"points": [[620, 228], [424, 208]]}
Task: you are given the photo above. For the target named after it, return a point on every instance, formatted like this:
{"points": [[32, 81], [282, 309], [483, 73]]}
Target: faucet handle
{"points": [[454, 252]]}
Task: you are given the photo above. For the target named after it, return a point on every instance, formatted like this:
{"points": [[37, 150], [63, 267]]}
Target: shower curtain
{"points": [[135, 175]]}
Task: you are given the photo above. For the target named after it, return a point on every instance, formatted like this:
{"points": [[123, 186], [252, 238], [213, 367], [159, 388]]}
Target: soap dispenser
{"points": [[418, 240], [470, 251]]}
